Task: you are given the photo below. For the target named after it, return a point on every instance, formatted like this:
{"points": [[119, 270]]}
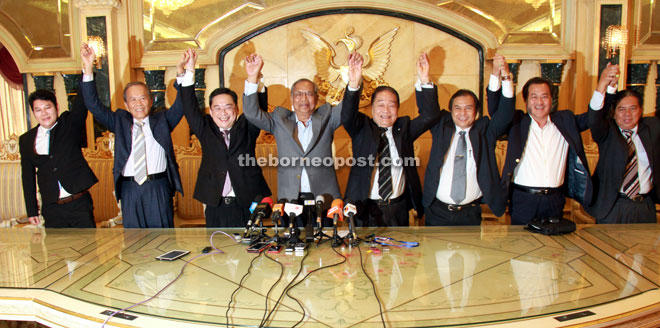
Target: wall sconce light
{"points": [[616, 37], [96, 42]]}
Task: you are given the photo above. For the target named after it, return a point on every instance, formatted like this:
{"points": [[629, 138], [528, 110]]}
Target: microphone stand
{"points": [[336, 240], [319, 233], [276, 237]]}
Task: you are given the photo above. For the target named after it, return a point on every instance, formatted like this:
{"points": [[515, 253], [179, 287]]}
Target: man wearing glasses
{"points": [[226, 187]]}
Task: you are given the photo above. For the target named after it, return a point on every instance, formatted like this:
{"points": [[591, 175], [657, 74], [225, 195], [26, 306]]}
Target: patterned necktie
{"points": [[459, 179], [631, 178], [226, 189], [139, 156], [384, 164]]}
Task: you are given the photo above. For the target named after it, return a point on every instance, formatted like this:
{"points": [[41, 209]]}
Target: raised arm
{"points": [[597, 116], [349, 113], [175, 113], [188, 99], [427, 100], [261, 119], [88, 89]]}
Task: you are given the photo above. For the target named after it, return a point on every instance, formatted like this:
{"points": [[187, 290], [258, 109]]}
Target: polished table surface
{"points": [[457, 276]]}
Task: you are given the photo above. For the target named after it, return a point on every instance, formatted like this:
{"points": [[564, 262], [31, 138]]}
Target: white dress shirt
{"points": [[398, 179], [543, 161], [305, 135], [156, 160], [42, 147], [472, 190]]}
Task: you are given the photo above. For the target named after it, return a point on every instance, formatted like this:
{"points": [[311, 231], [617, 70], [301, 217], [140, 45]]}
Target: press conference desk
{"points": [[489, 275]]}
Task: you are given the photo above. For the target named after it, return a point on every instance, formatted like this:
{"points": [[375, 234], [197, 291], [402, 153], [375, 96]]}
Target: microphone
{"points": [[308, 203], [277, 214], [262, 210], [320, 202], [253, 206], [294, 210], [335, 212], [350, 210]]}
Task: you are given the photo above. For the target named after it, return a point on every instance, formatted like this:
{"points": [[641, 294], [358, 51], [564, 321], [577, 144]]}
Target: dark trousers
{"points": [[227, 214], [626, 210], [526, 206], [440, 214], [394, 214], [78, 213], [148, 205]]}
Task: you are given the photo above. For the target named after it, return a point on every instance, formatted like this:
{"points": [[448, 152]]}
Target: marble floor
{"points": [[489, 275]]}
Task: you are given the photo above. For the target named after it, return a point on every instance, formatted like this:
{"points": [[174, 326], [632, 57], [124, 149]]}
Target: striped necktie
{"points": [[139, 156], [384, 164], [631, 178]]}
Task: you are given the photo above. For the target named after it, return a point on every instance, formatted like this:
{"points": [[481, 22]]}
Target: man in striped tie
{"points": [[629, 154], [384, 182], [146, 174]]}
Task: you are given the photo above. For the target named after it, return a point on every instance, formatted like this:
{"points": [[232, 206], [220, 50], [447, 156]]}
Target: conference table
{"points": [[492, 275]]}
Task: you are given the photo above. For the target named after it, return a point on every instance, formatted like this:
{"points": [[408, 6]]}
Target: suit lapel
{"points": [[292, 125], [524, 130], [316, 130]]}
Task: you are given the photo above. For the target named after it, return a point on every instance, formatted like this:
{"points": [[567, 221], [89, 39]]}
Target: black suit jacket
{"points": [[483, 136], [64, 163], [613, 151], [247, 181], [577, 180], [366, 136], [120, 122]]}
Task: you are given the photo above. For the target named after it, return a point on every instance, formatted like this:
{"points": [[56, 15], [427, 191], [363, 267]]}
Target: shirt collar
{"points": [[145, 121], [467, 131], [547, 123], [634, 130], [42, 131]]}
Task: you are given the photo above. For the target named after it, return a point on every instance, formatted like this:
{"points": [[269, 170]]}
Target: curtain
{"points": [[13, 118], [8, 67]]}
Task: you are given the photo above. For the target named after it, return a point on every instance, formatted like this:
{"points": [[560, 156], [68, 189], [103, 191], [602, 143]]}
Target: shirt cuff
{"points": [[611, 90], [507, 88], [494, 83], [250, 88], [88, 77], [419, 85], [597, 101], [187, 79]]}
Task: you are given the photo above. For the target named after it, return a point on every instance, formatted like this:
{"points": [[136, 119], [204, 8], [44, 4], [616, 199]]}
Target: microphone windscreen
{"points": [[267, 200], [336, 208]]}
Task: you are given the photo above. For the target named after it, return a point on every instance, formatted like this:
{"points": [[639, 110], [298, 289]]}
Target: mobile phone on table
{"points": [[172, 255], [275, 249], [257, 247]]}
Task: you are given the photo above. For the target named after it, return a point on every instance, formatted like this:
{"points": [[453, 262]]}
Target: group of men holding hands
{"points": [[545, 160]]}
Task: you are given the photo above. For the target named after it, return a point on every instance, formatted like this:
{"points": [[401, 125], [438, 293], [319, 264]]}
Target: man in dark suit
{"points": [[226, 187], [628, 145], [545, 159], [388, 186], [462, 171], [145, 170], [53, 149]]}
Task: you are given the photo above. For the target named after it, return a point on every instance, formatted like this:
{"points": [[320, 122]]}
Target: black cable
{"points": [[279, 299], [305, 277], [240, 284], [263, 318], [373, 285]]}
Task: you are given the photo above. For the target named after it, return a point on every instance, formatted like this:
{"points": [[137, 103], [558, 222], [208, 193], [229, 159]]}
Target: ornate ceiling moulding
{"points": [[83, 4]]}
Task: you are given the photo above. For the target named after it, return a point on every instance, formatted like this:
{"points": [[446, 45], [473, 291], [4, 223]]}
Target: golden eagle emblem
{"points": [[334, 77]]}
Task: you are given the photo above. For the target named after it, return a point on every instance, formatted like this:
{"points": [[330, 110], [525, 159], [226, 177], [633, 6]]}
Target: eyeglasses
{"points": [[224, 106], [299, 94]]}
